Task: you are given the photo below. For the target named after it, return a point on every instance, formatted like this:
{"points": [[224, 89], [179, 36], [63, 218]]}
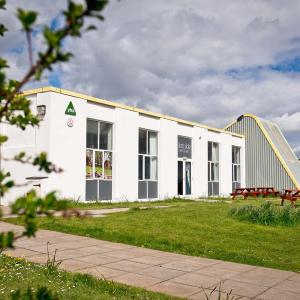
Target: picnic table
{"points": [[291, 195], [254, 192], [265, 191]]}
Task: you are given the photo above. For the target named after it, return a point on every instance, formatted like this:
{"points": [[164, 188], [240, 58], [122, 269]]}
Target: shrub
{"points": [[267, 214]]}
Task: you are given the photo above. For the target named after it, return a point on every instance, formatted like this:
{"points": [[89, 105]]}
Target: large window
{"points": [[98, 160], [236, 167], [147, 161], [213, 169]]}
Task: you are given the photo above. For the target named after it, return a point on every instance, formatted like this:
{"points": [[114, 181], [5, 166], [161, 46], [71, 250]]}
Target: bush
{"points": [[267, 214]]}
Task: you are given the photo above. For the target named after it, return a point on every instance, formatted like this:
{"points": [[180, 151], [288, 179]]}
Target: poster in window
{"points": [[98, 164], [89, 164], [107, 165], [184, 147]]}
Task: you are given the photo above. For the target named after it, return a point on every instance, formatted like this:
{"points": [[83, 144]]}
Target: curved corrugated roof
{"points": [[280, 146]]}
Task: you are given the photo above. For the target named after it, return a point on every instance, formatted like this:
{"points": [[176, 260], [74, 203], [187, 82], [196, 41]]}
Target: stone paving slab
{"points": [[170, 273]]}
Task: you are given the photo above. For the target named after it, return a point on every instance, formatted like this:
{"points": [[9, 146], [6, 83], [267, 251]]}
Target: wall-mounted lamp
{"points": [[41, 112]]}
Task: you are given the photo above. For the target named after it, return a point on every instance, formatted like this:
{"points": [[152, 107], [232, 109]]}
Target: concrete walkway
{"points": [[170, 273]]}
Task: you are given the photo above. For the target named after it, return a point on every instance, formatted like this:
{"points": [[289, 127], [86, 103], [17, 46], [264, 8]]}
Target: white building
{"points": [[110, 151]]}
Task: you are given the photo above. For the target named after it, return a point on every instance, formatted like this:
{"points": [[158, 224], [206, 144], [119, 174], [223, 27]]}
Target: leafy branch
{"points": [[15, 108]]}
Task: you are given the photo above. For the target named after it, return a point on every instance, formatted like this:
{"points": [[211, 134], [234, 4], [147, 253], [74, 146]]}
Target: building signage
{"points": [[184, 147], [70, 122], [70, 109]]}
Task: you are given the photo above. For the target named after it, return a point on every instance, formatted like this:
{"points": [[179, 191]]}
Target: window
{"points": [[213, 168], [98, 160], [236, 167], [147, 160]]}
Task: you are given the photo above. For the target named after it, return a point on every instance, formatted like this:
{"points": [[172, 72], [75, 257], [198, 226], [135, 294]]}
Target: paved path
{"points": [[170, 273]]}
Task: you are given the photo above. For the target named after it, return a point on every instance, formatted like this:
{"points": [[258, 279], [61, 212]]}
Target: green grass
{"points": [[193, 228], [19, 274], [267, 214], [99, 204]]}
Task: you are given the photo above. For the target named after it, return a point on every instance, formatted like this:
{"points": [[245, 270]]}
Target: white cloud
{"points": [[177, 57]]}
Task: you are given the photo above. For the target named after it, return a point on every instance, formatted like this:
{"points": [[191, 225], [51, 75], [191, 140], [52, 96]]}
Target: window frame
{"points": [[98, 149], [213, 163], [235, 165], [149, 156]]}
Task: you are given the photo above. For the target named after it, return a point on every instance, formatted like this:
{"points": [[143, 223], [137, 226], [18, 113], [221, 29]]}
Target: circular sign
{"points": [[70, 122]]}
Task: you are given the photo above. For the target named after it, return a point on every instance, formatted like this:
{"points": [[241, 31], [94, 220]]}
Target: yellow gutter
{"points": [[277, 153], [127, 107]]}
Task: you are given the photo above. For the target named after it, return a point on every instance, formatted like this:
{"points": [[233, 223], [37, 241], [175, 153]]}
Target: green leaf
{"points": [[96, 5], [51, 37], [2, 29], [3, 63], [2, 4], [27, 18], [3, 139], [91, 27]]}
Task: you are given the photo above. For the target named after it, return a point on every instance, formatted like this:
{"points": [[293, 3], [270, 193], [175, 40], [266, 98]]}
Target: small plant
{"points": [[52, 264], [267, 214], [221, 295]]}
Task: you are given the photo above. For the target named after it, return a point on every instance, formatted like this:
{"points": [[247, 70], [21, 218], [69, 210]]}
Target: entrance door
{"points": [[184, 177]]}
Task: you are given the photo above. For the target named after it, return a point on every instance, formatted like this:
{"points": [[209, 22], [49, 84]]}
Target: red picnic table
{"points": [[291, 195], [254, 192]]}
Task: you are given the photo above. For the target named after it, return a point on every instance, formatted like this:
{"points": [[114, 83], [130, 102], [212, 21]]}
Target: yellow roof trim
{"points": [[265, 133], [127, 107]]}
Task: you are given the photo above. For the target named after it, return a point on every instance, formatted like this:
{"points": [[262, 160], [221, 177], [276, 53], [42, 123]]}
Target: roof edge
{"points": [[123, 106], [274, 148]]}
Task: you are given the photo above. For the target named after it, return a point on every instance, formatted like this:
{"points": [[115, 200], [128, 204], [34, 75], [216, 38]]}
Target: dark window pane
{"points": [[141, 167], [142, 141], [152, 189], [91, 190], [142, 190], [180, 178], [210, 189], [208, 169], [209, 151], [105, 190], [147, 167], [92, 134], [105, 136]]}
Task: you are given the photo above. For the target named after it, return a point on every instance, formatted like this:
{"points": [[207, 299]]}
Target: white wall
{"points": [[67, 145]]}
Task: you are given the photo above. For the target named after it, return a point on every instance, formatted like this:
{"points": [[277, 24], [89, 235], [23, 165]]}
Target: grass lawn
{"points": [[133, 204], [193, 228], [19, 274]]}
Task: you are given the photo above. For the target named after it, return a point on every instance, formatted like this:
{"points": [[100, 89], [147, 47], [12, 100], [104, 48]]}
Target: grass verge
{"points": [[100, 204], [20, 274]]}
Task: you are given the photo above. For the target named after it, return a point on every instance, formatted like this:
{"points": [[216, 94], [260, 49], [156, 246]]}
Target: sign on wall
{"points": [[70, 109], [184, 147]]}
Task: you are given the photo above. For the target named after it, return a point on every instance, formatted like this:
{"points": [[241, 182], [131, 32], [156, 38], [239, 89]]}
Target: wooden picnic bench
{"points": [[291, 195], [266, 191], [254, 192], [245, 192]]}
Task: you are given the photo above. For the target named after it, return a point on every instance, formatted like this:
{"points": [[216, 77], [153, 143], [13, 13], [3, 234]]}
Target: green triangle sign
{"points": [[70, 109]]}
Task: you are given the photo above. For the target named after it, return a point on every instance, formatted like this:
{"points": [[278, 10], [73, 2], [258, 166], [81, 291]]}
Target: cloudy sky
{"points": [[202, 60]]}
